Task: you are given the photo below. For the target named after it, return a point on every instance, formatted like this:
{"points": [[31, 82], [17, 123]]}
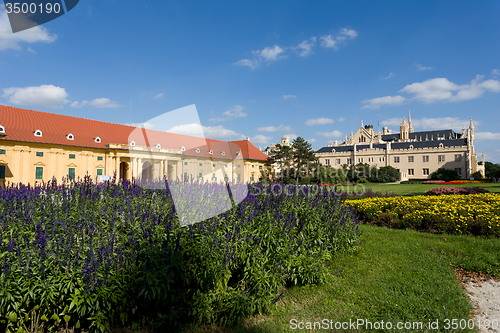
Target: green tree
{"points": [[282, 155], [304, 158], [445, 175], [492, 170]]}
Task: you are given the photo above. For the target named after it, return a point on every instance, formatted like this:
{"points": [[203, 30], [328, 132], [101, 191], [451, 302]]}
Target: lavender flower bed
{"points": [[93, 257]]}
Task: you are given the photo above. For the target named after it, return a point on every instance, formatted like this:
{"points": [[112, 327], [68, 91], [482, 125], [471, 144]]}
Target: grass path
{"points": [[394, 275]]}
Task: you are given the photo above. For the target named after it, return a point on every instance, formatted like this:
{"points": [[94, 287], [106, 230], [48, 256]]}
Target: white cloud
{"points": [[487, 136], [495, 72], [236, 112], [248, 63], [436, 90], [319, 121], [305, 47], [440, 89], [261, 139], [431, 123], [375, 103], [233, 113], [212, 132], [158, 96], [98, 103], [312, 140], [341, 119], [29, 49], [330, 41], [145, 125], [268, 54], [391, 74], [285, 97], [334, 134], [45, 96], [423, 68], [274, 128], [10, 40]]}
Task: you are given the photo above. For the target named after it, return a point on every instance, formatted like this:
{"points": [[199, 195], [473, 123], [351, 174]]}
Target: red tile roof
{"points": [[21, 124]]}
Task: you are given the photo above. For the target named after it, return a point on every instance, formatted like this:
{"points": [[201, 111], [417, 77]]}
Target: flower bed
{"points": [[92, 256], [476, 214], [456, 190]]}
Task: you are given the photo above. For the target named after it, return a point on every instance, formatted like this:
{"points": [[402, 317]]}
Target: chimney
{"points": [[248, 138]]}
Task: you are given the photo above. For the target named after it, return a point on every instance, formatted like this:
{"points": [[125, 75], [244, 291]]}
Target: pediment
{"points": [[3, 162], [100, 166], [39, 164], [72, 165]]}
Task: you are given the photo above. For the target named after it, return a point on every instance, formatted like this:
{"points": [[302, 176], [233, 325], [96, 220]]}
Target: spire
{"points": [[471, 124], [410, 127], [361, 122]]}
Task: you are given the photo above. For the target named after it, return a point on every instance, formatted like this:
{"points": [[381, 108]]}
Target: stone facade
{"points": [[415, 154]]}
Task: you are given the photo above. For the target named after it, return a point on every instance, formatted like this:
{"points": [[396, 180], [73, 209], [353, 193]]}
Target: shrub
{"points": [[477, 175], [445, 175], [387, 174]]}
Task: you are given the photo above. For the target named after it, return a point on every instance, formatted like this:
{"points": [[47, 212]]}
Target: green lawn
{"points": [[394, 275], [416, 189]]}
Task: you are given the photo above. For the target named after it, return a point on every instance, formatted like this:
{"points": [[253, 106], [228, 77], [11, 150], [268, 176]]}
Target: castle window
{"points": [[39, 173], [71, 173], [458, 158], [396, 159], [99, 172], [132, 143], [158, 146], [38, 133], [327, 162], [2, 129], [97, 139], [39, 153], [410, 159], [211, 152], [2, 152], [200, 176], [183, 148], [99, 158], [441, 145], [260, 167], [425, 158], [197, 150], [2, 171], [411, 172], [70, 136], [72, 156], [337, 161], [440, 158], [201, 164], [459, 171], [425, 172], [223, 153], [349, 161], [185, 163], [360, 160]]}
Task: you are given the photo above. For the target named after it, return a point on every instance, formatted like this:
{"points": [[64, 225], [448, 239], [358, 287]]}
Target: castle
{"points": [[416, 155]]}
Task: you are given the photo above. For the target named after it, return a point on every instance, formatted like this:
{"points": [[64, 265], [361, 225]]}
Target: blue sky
{"points": [[265, 69]]}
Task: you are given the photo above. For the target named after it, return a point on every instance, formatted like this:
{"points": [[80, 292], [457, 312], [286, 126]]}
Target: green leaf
{"points": [[12, 317], [67, 318]]}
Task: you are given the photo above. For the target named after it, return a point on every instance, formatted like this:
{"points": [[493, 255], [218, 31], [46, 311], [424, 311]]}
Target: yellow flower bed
{"points": [[471, 214]]}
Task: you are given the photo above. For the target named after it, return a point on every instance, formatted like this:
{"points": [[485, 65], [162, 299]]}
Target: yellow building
{"points": [[36, 146]]}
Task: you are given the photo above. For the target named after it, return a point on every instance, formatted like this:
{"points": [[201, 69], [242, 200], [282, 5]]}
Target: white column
{"points": [[117, 168], [139, 168]]}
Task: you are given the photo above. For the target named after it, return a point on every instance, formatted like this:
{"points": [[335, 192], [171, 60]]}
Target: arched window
{"points": [[158, 146], [132, 143], [97, 139], [38, 133], [2, 129], [70, 136]]}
